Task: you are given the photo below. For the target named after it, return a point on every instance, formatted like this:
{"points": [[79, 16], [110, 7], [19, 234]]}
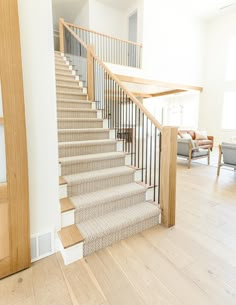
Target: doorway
{"points": [[132, 36]]}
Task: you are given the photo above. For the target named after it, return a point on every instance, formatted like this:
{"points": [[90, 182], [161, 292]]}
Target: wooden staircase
{"points": [[101, 199]]}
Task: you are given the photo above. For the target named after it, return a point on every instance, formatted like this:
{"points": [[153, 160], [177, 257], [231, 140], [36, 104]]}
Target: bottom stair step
{"points": [[70, 236], [105, 230]]}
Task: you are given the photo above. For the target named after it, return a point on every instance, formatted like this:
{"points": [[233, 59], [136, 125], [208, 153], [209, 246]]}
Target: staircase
{"points": [[102, 202]]}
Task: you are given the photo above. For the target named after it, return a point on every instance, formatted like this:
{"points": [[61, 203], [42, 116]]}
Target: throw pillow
{"points": [[201, 135], [186, 136]]}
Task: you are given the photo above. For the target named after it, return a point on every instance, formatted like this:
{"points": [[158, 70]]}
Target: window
{"points": [[229, 111]]}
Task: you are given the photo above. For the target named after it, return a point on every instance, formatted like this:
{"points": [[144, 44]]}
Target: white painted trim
{"points": [[112, 134], [72, 254], [63, 191], [68, 218]]}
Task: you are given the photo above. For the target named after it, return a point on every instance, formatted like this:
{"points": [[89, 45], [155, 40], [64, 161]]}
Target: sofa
{"points": [[200, 138]]}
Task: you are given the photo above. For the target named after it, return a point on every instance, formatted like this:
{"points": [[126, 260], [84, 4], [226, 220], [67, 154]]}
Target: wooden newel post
{"points": [[61, 34], [90, 72], [168, 175]]}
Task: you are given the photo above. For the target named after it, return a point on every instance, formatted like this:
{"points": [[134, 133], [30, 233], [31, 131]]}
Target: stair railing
{"points": [[111, 49], [150, 147]]}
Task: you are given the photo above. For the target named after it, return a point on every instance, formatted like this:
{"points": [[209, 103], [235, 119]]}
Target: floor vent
{"points": [[41, 246]]}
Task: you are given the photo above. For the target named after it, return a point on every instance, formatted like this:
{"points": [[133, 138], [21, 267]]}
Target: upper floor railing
{"points": [[111, 49], [150, 146]]}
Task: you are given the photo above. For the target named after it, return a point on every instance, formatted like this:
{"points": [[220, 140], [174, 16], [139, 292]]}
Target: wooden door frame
{"points": [[15, 193]]}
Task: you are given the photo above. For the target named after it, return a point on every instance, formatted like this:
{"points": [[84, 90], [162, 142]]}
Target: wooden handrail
{"points": [[144, 81], [105, 35], [116, 79]]}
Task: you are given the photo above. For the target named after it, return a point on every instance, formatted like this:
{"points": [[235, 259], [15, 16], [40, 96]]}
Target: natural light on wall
{"points": [[231, 61], [2, 145], [229, 111]]}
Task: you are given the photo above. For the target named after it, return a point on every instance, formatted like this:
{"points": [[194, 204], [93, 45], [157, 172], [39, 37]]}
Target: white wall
{"points": [[107, 19], [173, 42], [83, 18], [219, 33], [40, 107]]}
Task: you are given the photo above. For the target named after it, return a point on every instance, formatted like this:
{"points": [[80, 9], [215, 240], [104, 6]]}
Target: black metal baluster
{"points": [[138, 137], [142, 145], [146, 157], [135, 135], [150, 164], [132, 126], [155, 164], [159, 168]]}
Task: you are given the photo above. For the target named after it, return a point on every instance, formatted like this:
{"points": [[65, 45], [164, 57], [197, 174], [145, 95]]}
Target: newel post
{"points": [[61, 34], [168, 175], [90, 71]]}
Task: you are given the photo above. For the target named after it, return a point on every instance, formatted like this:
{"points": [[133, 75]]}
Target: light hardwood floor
{"points": [[193, 263]]}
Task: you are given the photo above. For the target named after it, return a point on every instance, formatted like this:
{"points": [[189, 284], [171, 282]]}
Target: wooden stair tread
{"points": [[62, 181], [70, 236], [66, 205]]}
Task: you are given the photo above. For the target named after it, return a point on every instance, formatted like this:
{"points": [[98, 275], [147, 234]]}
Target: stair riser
{"points": [[70, 90], [68, 77], [79, 124], [69, 96], [69, 83], [71, 137], [70, 169], [85, 150], [103, 183], [76, 114], [108, 240], [107, 207], [84, 105], [65, 72]]}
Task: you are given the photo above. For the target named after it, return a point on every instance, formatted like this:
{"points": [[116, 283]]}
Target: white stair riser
{"points": [[67, 218], [63, 191], [72, 254], [77, 150]]}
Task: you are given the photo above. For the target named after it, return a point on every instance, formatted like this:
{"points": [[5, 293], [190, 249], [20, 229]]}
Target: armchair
{"points": [[228, 151], [186, 149]]}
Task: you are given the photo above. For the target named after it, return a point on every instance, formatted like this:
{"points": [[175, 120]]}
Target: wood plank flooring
{"points": [[193, 263]]}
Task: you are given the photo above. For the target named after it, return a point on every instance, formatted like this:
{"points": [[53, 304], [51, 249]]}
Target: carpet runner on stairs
{"points": [[109, 204]]}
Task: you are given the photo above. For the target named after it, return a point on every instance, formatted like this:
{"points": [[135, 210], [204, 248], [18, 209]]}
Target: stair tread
{"points": [[117, 220], [66, 205], [71, 93], [109, 194], [92, 157], [86, 143], [70, 236], [76, 110], [69, 86], [99, 174], [73, 101], [83, 130], [80, 119]]}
